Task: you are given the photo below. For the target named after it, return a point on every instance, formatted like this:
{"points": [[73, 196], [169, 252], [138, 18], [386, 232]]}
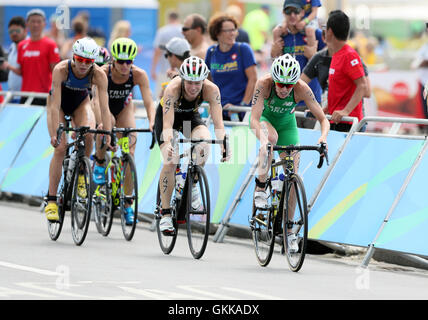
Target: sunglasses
{"points": [[289, 11], [184, 29], [14, 31], [124, 61], [168, 54], [83, 60], [286, 85]]}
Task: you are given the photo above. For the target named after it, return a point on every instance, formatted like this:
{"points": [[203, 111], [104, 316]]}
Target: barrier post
{"points": [[371, 248]]}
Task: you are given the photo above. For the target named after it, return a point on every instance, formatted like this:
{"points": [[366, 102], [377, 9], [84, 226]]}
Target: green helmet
{"points": [[124, 49]]}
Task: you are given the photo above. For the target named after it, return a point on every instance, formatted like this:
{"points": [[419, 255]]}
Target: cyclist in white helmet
{"points": [[178, 110], [272, 115], [71, 82]]}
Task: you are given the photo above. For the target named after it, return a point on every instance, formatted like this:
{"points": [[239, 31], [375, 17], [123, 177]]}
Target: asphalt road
{"points": [[33, 267]]}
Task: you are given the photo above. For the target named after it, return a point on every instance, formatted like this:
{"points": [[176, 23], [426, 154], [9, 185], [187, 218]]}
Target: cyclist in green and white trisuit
{"points": [[272, 116]]}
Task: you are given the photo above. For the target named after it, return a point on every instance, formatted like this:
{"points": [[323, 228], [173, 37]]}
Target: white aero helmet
{"points": [[194, 69], [285, 69], [86, 48]]}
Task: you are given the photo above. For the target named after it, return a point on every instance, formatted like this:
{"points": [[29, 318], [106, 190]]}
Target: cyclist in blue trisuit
{"points": [[71, 82]]}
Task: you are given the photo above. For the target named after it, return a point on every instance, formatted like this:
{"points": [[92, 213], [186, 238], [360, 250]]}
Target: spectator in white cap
{"points": [[176, 51]]}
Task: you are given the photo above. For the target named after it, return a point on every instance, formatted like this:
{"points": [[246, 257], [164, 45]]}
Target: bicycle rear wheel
{"points": [[294, 222], [166, 241], [55, 227], [103, 206], [81, 200], [262, 228], [128, 196], [198, 212]]}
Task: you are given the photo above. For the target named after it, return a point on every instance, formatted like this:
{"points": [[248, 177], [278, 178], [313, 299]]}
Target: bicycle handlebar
{"points": [[322, 149], [224, 142], [81, 130]]}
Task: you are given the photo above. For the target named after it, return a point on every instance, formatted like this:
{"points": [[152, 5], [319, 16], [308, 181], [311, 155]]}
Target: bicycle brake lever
{"points": [[225, 146]]}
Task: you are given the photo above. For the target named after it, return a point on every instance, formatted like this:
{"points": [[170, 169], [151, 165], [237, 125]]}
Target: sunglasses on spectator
{"points": [[228, 30], [15, 31], [184, 29], [168, 54], [124, 61], [286, 85], [83, 60], [289, 11]]}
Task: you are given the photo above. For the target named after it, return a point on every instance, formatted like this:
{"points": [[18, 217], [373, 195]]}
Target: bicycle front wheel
{"points": [[81, 200], [128, 197], [198, 212], [294, 222]]}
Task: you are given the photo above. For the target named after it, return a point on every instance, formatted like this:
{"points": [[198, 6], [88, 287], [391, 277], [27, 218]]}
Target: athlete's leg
{"points": [[55, 167], [126, 119], [268, 134], [84, 116]]}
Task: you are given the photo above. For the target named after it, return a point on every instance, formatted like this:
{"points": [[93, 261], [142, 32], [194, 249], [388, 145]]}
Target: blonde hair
{"points": [[121, 29]]}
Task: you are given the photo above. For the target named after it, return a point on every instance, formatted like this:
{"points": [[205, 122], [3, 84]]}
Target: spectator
{"points": [[194, 30], [232, 64], [295, 43], [80, 30], [235, 11], [95, 33], [17, 33], [37, 56], [121, 29], [308, 22], [176, 51], [421, 64], [257, 24], [347, 85], [318, 67], [163, 35]]}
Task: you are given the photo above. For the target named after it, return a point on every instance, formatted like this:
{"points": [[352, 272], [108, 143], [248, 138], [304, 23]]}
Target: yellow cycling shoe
{"points": [[81, 186], [51, 211]]}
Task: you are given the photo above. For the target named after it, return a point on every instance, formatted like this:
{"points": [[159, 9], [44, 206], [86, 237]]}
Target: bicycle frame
{"points": [[123, 144]]}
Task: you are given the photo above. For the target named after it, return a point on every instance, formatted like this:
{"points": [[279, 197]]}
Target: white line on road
{"points": [[8, 292], [54, 291], [258, 295], [29, 269], [207, 293]]}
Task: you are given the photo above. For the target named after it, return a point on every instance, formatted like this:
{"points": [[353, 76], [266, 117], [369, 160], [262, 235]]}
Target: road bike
{"points": [[75, 191], [286, 216], [121, 189], [192, 205]]}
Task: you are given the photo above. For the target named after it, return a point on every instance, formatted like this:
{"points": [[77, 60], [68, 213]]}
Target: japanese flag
{"points": [[354, 62]]}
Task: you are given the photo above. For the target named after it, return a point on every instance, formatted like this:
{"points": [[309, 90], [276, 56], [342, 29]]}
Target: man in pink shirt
{"points": [[37, 56], [346, 75]]}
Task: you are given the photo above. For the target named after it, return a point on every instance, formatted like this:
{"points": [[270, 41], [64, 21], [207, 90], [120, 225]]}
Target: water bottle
{"points": [[277, 183], [180, 179], [71, 164]]}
